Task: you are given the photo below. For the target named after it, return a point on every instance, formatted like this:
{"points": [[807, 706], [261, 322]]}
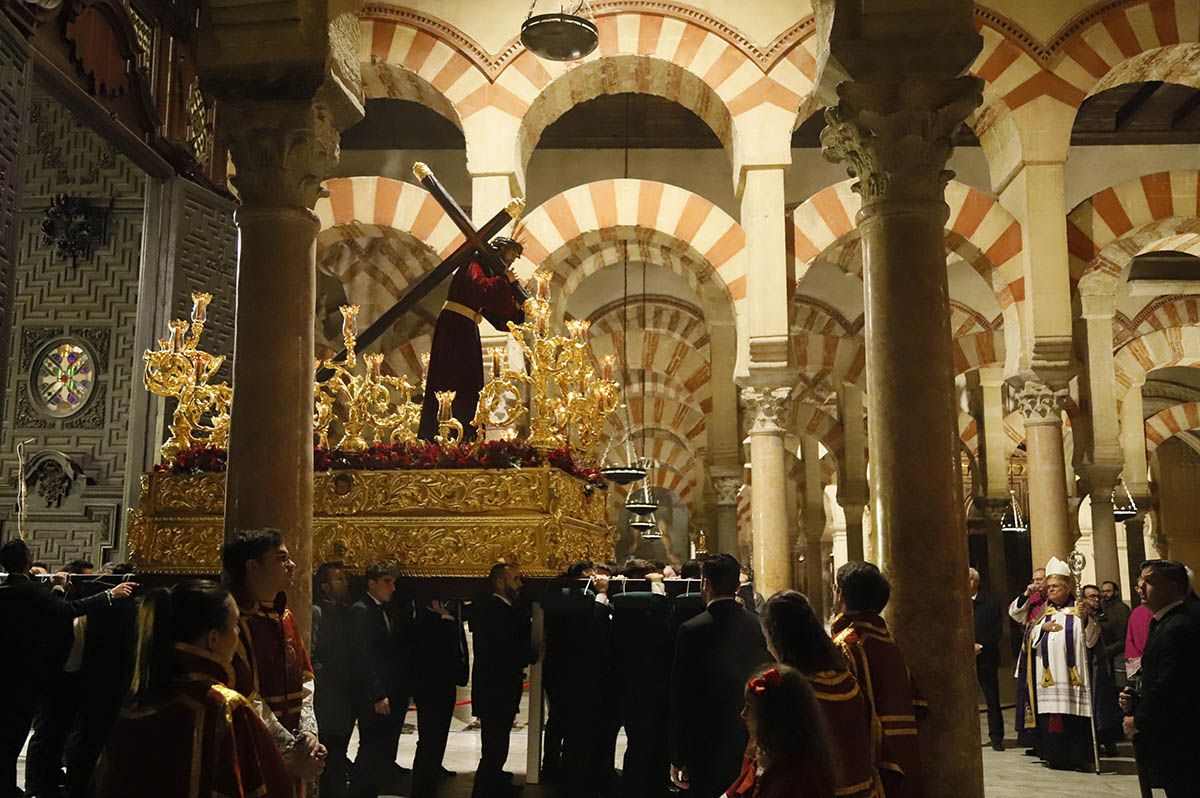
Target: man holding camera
{"points": [[1163, 702]]}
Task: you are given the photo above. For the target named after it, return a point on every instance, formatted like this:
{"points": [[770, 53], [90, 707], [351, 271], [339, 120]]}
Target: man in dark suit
{"points": [[1161, 715], [36, 627], [642, 652], [380, 673], [988, 631], [439, 666], [715, 653], [334, 690], [501, 632]]}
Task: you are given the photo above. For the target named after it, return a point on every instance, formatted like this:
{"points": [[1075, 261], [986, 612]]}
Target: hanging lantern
{"points": [[641, 501], [561, 35], [622, 474], [1123, 510], [1013, 520], [648, 526]]}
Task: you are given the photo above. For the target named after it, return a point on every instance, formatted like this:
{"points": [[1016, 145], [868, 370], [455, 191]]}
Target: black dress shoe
{"points": [[446, 774], [997, 743], [1031, 752]]}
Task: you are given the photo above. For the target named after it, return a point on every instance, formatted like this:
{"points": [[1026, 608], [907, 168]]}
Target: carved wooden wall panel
{"points": [[15, 71], [93, 299], [206, 260]]}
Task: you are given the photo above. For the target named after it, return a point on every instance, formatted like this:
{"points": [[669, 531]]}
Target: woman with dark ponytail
{"points": [[184, 731]]}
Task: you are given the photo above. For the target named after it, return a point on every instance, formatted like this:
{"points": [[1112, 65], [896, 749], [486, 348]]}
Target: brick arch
{"points": [[659, 354], [833, 357], [980, 230], [1168, 423], [1163, 312], [706, 237], [808, 419], [403, 62], [648, 53], [639, 380], [1172, 346], [665, 315], [662, 411], [363, 206], [1105, 231]]}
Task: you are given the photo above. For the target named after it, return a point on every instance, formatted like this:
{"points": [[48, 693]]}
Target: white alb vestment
{"points": [[1060, 670]]}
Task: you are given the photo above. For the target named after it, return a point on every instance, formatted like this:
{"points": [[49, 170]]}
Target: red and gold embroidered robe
{"points": [[854, 732], [272, 663], [876, 662], [203, 740]]}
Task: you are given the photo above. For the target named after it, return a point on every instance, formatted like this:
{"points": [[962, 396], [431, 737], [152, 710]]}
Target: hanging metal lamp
{"points": [[1013, 520], [560, 36], [1123, 510], [641, 501], [623, 473], [648, 526]]}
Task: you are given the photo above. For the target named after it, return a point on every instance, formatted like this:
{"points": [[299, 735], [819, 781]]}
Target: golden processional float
{"points": [[525, 491]]}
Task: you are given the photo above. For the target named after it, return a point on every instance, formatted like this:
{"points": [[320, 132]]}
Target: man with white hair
{"points": [[988, 631]]}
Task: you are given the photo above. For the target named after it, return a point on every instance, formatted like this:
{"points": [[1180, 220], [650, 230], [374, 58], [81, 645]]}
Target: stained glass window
{"points": [[64, 379]]}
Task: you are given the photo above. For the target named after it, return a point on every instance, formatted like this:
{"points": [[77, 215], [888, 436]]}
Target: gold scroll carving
{"points": [[447, 523]]}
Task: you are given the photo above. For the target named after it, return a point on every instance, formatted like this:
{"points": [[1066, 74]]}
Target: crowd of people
{"points": [[207, 689]]}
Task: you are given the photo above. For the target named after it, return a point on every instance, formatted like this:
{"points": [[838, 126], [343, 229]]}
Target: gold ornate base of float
{"points": [[431, 523]]}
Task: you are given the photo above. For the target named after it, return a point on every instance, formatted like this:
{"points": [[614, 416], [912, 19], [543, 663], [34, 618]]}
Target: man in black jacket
{"points": [[501, 632], [36, 629], [439, 667], [380, 635], [988, 631], [715, 653], [333, 693], [1161, 715]]}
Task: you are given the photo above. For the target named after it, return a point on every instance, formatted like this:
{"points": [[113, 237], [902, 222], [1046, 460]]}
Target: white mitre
{"points": [[1057, 567]]}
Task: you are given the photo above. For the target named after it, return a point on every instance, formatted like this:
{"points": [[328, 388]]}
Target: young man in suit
{"points": [[1161, 714], [988, 631], [36, 627], [380, 672], [440, 665], [332, 652], [501, 633], [715, 653]]}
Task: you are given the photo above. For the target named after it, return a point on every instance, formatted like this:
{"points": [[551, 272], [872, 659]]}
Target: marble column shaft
{"points": [[1049, 522], [772, 546], [896, 138], [282, 152], [814, 525], [726, 488]]}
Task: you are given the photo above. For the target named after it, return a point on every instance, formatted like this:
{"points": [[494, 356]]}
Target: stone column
{"points": [[1104, 461], [814, 525], [726, 487], [896, 138], [282, 151], [765, 409], [1049, 524], [852, 469], [762, 196], [1135, 551]]}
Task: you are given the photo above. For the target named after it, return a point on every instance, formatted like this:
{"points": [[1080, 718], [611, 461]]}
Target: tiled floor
{"points": [[1009, 774]]}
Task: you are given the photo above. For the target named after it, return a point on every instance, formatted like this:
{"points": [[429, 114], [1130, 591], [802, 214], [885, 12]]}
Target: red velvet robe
{"points": [[456, 355], [877, 663], [271, 661], [853, 730], [203, 740]]}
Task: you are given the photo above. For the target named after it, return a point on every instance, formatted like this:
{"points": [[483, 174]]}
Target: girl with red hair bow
{"points": [[790, 755]]}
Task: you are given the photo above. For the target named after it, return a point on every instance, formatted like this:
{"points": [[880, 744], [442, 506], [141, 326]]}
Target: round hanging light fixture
{"points": [[1013, 520], [1123, 510], [641, 501], [648, 526], [561, 35]]}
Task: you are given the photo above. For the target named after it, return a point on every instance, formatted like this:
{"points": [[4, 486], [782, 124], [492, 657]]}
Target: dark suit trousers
{"points": [[435, 708], [378, 739], [646, 764], [337, 766], [51, 725], [16, 717], [989, 683], [494, 733]]}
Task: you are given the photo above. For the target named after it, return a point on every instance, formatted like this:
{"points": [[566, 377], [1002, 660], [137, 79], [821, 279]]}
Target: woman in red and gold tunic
{"points": [[186, 733]]}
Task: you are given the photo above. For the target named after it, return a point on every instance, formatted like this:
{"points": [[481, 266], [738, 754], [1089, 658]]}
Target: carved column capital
{"points": [[896, 136], [727, 490], [767, 408], [1040, 404], [282, 151]]}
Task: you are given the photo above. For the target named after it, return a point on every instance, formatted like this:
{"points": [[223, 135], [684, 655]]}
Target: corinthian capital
{"points": [[766, 407], [727, 490], [281, 150], [896, 136], [1040, 404]]}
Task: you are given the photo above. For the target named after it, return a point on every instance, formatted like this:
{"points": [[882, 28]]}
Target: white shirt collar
{"points": [[505, 599], [378, 603], [721, 598], [1158, 616]]}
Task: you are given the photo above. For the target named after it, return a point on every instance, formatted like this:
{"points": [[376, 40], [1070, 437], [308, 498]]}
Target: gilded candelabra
{"points": [[180, 369], [365, 400], [568, 401]]}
